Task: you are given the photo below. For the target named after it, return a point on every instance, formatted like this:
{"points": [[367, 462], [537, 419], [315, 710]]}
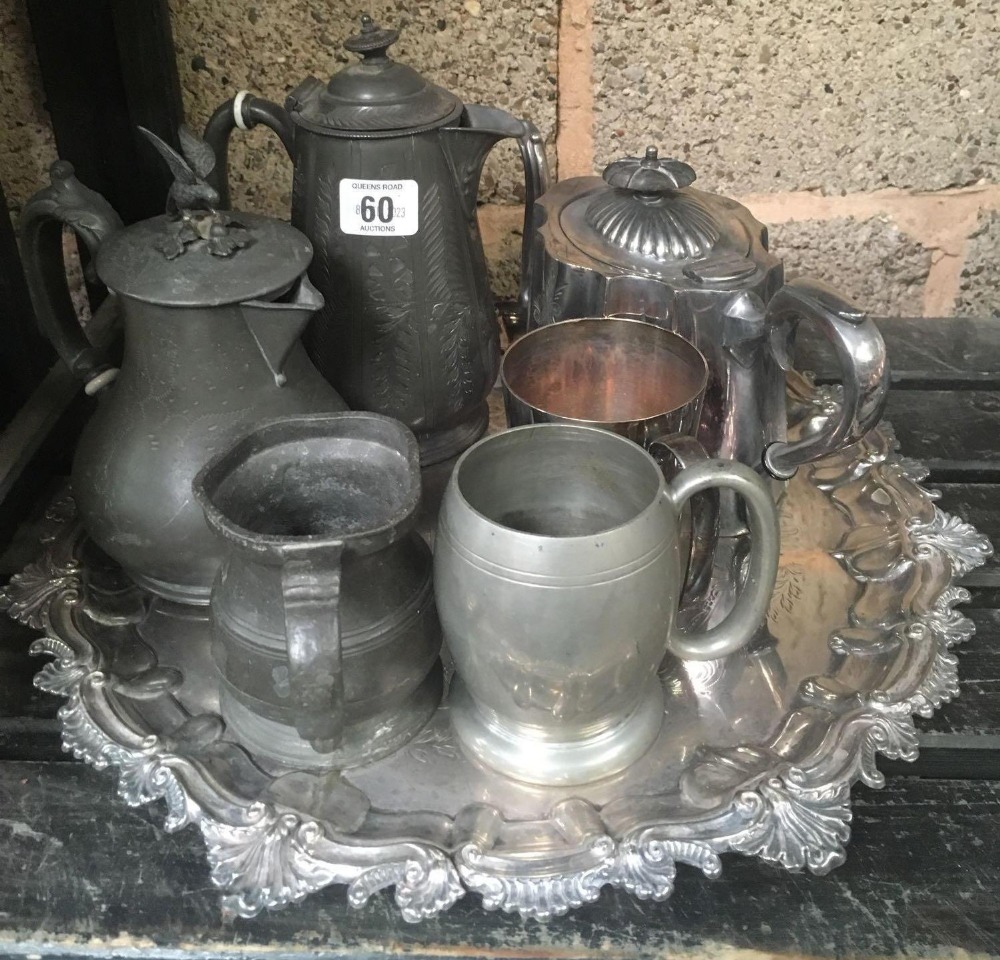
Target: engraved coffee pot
{"points": [[214, 304], [387, 168], [642, 242]]}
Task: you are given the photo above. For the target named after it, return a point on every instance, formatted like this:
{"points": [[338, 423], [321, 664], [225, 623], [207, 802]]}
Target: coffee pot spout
{"points": [[276, 325], [467, 146]]}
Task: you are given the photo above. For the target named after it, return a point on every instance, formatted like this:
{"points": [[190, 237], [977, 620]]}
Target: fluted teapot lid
{"points": [[196, 255], [376, 94], [650, 219]]}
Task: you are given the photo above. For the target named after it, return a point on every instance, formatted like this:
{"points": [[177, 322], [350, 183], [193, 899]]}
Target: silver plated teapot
{"points": [[641, 241], [387, 168]]}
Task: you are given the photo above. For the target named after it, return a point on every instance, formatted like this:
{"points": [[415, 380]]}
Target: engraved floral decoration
{"points": [[786, 800]]}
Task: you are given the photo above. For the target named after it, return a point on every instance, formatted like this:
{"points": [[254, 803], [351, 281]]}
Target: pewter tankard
{"points": [[323, 620], [558, 575], [386, 174], [642, 242]]}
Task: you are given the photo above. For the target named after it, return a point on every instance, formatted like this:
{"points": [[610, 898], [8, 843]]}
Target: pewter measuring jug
{"points": [[558, 574], [323, 620], [387, 169], [214, 304], [642, 242]]}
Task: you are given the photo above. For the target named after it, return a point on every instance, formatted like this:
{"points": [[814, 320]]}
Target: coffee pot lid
{"points": [[649, 218], [196, 255], [376, 94]]}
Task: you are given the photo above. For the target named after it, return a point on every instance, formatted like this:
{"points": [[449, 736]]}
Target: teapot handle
{"points": [[536, 180], [65, 202], [743, 621], [244, 111], [863, 362], [310, 588]]}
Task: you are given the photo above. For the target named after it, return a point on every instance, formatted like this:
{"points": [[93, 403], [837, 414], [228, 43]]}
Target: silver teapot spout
{"points": [[276, 325]]}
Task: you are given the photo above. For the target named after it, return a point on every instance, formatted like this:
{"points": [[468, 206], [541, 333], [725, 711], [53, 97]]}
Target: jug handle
{"points": [[310, 589], [536, 180], [65, 202], [742, 623], [244, 111], [863, 362], [673, 454]]}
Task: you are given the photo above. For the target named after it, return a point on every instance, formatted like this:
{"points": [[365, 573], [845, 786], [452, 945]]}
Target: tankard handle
{"points": [[863, 363], [244, 111], [699, 528], [742, 622], [65, 202], [310, 589], [503, 126]]}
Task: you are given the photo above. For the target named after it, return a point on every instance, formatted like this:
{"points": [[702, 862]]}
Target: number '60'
{"points": [[383, 210]]}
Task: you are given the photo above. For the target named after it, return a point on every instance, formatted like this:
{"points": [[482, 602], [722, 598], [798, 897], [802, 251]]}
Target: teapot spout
{"points": [[276, 325]]}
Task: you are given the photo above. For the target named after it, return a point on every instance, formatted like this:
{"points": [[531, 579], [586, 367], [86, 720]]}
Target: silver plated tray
{"points": [[757, 755]]}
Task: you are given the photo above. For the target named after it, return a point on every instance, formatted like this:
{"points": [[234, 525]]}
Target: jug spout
{"points": [[276, 325], [468, 144], [466, 147]]}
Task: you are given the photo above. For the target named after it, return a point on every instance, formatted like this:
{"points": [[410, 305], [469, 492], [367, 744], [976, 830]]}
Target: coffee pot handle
{"points": [[65, 202], [741, 624], [536, 179], [244, 111], [864, 366], [310, 588]]}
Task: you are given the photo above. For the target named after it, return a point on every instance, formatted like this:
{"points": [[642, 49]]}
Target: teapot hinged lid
{"points": [[196, 255], [649, 219], [201, 259], [376, 96]]}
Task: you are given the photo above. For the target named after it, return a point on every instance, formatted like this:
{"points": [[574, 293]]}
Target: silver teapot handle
{"points": [[863, 362]]}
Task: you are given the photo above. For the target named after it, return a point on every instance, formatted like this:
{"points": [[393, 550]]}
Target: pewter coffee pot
{"points": [[214, 304], [642, 242], [387, 169]]}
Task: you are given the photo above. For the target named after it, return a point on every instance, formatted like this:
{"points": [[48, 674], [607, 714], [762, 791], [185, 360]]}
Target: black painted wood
{"points": [[79, 868], [24, 355], [947, 352], [979, 504], [107, 66]]}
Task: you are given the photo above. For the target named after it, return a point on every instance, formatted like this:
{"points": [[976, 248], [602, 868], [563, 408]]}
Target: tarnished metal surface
{"points": [[757, 756]]}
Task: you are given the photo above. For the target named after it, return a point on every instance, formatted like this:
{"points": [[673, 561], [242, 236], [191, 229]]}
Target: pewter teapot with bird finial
{"points": [[214, 303]]}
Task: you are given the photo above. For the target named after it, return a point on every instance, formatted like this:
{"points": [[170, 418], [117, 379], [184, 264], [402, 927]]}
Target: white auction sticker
{"points": [[378, 207]]}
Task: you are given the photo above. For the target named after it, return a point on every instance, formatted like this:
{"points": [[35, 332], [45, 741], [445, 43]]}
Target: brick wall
{"points": [[864, 133]]}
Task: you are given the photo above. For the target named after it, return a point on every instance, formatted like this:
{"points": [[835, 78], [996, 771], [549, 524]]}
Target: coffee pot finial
{"points": [[372, 41]]}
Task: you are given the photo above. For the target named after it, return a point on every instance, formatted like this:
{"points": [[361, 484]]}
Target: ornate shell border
{"points": [[794, 812]]}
